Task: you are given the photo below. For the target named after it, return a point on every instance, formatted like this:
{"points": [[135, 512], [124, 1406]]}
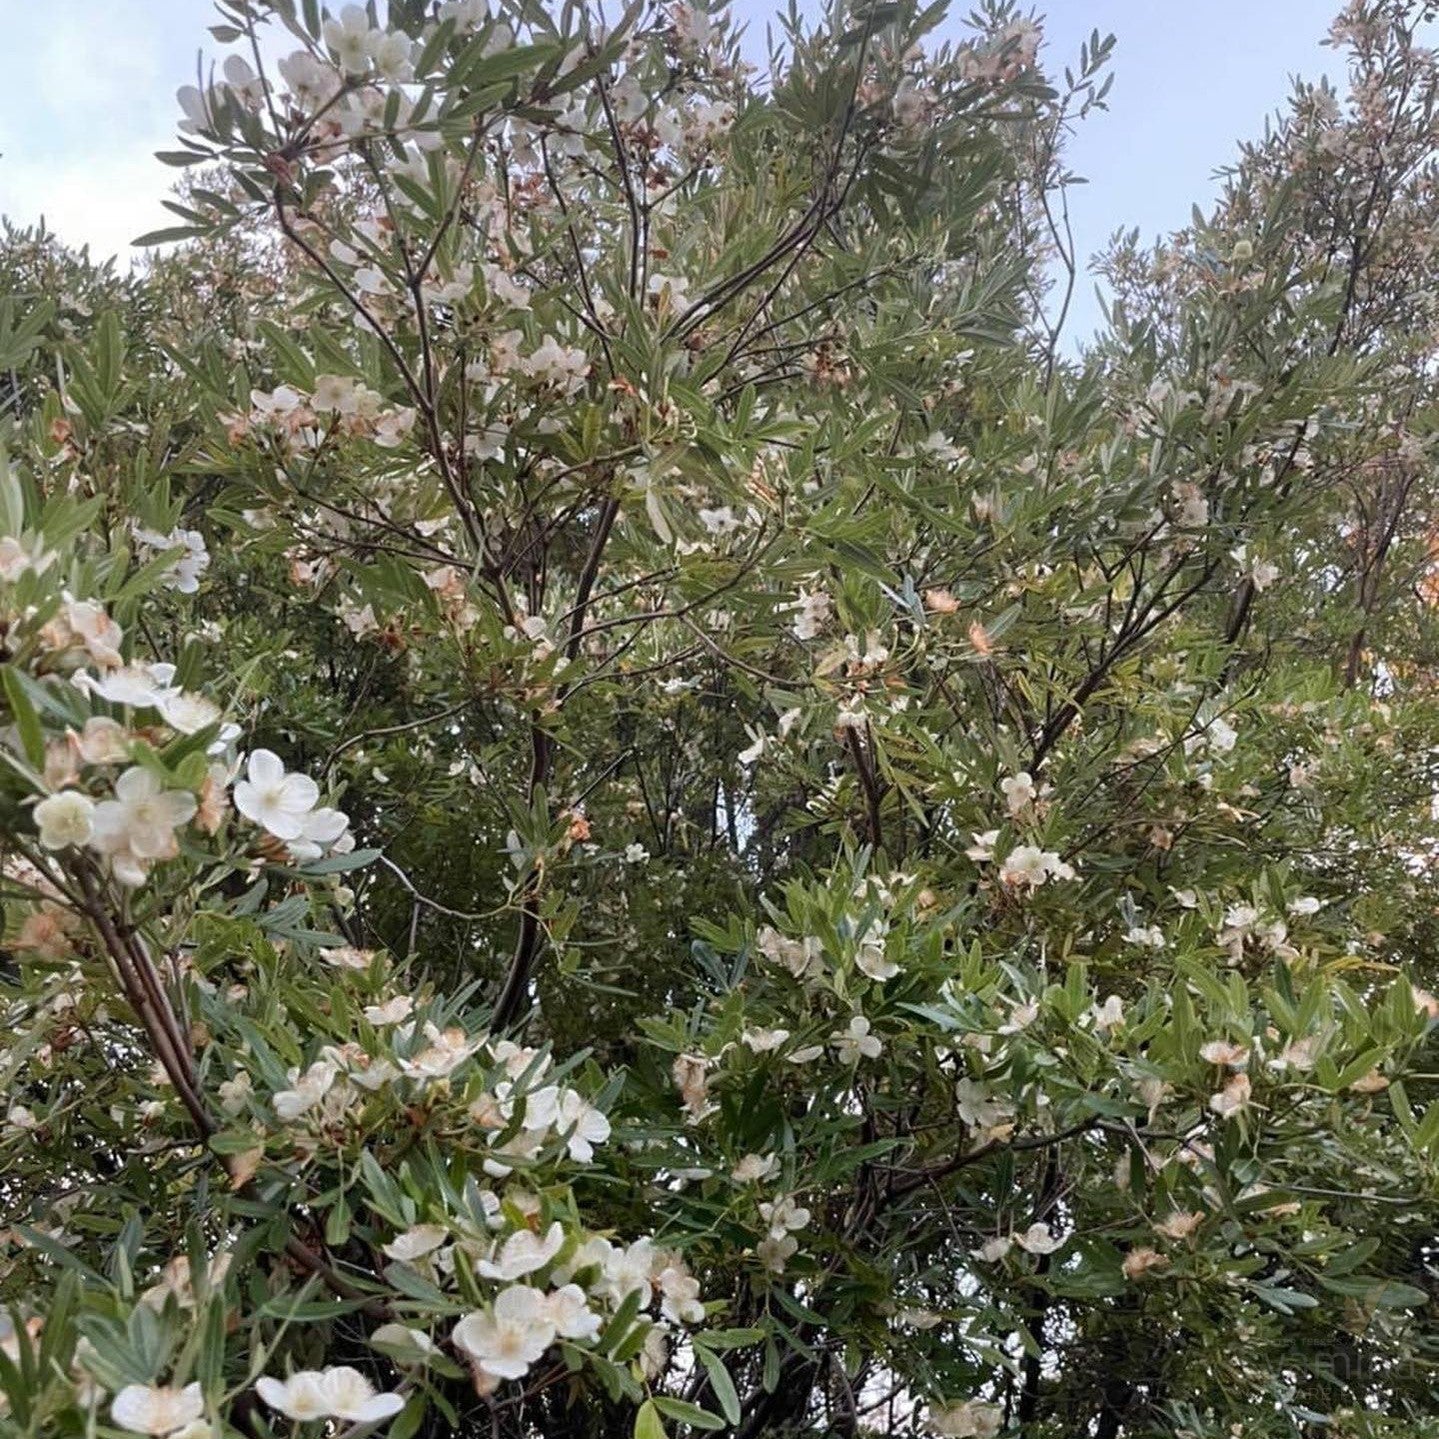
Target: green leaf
{"points": [[27, 722], [648, 1424], [1286, 1301], [725, 1393], [12, 499], [690, 1414], [167, 237], [340, 863], [407, 1422]]}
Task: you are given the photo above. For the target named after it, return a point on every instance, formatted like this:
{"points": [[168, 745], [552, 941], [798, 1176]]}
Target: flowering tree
{"points": [[630, 807]]}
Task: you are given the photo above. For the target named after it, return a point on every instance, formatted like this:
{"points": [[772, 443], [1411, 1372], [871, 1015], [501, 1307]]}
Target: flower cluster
{"points": [[104, 782], [568, 1289], [522, 1114], [184, 572]]}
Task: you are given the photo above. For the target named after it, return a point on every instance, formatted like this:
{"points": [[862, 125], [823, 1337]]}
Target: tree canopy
{"points": [[635, 802]]}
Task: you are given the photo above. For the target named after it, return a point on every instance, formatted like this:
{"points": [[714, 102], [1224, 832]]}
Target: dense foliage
{"points": [[632, 805]]}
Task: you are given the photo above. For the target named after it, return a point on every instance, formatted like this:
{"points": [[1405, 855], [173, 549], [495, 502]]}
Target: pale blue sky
{"points": [[89, 95]]}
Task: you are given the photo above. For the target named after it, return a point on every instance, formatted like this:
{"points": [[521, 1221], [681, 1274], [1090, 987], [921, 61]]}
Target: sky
{"points": [[89, 96]]}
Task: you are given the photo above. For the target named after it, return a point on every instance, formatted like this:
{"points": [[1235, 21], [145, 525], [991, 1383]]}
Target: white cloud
{"points": [[104, 201], [87, 103]]}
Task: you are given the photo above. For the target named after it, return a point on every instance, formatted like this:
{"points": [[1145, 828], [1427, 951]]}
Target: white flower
{"points": [[504, 1340], [103, 741], [235, 1093], [321, 829], [978, 1109], [815, 608], [138, 826], [721, 521], [993, 1250], [309, 81], [982, 849], [800, 956], [669, 293], [974, 1419], [626, 1270], [393, 1011], [1192, 509], [176, 1282], [308, 1090], [335, 392], [636, 854], [1038, 1240], [184, 574], [583, 1124], [279, 802], [416, 1242], [187, 713], [1305, 905], [15, 559], [774, 1250], [523, 1253], [351, 1396], [1240, 920], [243, 83], [783, 1215], [298, 1397], [762, 1041], [392, 427], [1226, 1052], [519, 1059], [1019, 792], [403, 1344], [628, 100], [1021, 1016], [693, 27], [1232, 1098], [1108, 1015], [349, 38], [276, 404], [754, 1167], [1025, 865], [569, 1311], [870, 956], [856, 1042], [139, 686], [370, 281], [679, 1295], [196, 106], [690, 1074], [560, 365], [144, 1409], [85, 623], [1299, 1053], [1222, 736], [1150, 937], [1263, 574], [391, 51], [1030, 866], [446, 1051], [64, 819], [337, 1393]]}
